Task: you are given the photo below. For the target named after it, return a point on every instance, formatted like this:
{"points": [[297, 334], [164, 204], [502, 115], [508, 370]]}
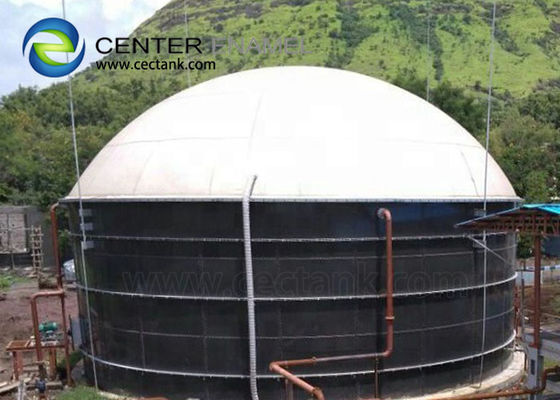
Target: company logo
{"points": [[67, 34]]}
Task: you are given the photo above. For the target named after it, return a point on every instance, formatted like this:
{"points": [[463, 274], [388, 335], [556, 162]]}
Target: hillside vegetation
{"points": [[382, 38]]}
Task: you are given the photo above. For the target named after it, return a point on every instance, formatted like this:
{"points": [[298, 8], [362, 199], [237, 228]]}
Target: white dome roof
{"points": [[306, 132]]}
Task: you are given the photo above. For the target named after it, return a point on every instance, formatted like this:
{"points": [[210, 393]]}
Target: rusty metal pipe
{"points": [[56, 254], [279, 366], [509, 393], [312, 390], [385, 214], [35, 318], [295, 363], [66, 340], [59, 283]]}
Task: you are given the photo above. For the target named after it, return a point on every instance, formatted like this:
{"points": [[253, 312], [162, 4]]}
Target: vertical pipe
{"points": [[250, 288], [56, 254], [66, 339], [280, 367], [385, 214], [522, 305], [484, 305], [289, 390], [516, 310], [37, 334], [38, 345], [537, 294]]}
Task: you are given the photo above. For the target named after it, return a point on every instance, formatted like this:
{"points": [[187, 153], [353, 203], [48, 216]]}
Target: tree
{"points": [[528, 152], [543, 105]]}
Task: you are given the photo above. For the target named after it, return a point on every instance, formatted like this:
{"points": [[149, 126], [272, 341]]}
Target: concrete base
{"points": [[509, 376]]}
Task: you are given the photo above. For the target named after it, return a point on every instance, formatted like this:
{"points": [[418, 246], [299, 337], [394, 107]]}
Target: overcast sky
{"points": [[92, 18]]}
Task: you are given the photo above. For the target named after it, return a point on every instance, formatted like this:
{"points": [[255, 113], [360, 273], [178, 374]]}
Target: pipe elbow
{"points": [[385, 214], [318, 393], [54, 207], [387, 353], [52, 293]]}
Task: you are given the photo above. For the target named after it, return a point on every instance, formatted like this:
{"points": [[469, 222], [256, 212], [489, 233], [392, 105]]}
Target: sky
{"points": [[92, 19]]}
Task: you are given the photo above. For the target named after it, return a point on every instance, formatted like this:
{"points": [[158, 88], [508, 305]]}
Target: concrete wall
{"points": [[15, 235]]}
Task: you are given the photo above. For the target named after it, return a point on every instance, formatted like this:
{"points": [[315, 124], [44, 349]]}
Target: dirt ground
{"points": [[15, 319], [550, 296]]}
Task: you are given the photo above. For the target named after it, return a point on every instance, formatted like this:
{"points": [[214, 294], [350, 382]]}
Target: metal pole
{"points": [[81, 212], [537, 294], [522, 305], [488, 115], [489, 110], [187, 38]]}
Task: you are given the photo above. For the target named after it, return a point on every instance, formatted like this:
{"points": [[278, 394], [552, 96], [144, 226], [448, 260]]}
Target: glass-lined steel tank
{"points": [[164, 301]]}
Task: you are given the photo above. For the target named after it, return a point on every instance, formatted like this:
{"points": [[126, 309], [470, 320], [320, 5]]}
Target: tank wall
{"points": [[167, 294]]}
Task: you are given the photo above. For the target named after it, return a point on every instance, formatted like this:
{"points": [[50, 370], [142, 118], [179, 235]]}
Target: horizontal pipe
{"points": [[279, 366], [370, 371], [295, 363], [508, 393], [35, 318]]}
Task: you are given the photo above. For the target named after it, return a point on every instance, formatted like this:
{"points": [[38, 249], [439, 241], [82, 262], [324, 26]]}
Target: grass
{"points": [[7, 280], [548, 363], [80, 393], [75, 358]]}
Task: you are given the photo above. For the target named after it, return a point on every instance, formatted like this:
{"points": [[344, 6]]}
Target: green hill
{"points": [[382, 38]]}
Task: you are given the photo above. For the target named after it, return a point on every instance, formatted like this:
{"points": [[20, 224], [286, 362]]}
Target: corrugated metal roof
{"points": [[528, 218], [551, 208], [306, 132]]}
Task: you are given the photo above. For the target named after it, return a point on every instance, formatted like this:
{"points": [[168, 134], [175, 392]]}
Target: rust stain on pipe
{"points": [[312, 390], [389, 314], [295, 363], [59, 282], [280, 366], [56, 254]]}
